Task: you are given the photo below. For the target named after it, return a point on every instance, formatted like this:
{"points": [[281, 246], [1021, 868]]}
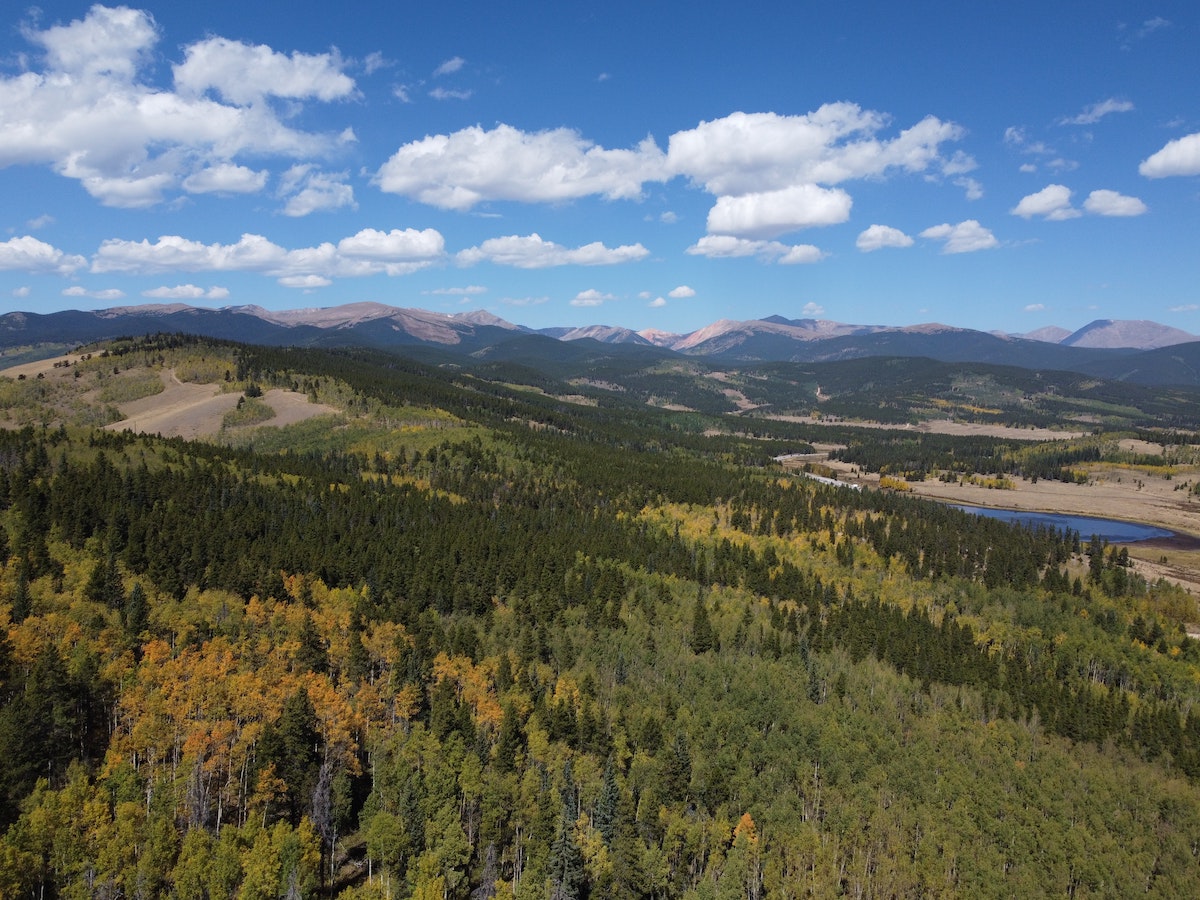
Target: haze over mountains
{"points": [[1139, 351]]}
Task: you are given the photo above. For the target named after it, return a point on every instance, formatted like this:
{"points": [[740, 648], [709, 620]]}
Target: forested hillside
{"points": [[469, 639]]}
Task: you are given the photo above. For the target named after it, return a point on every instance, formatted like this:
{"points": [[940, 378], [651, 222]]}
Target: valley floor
{"points": [[1112, 492]]}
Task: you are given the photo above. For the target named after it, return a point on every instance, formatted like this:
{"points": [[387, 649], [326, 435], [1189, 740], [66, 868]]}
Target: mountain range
{"points": [[1137, 351]]}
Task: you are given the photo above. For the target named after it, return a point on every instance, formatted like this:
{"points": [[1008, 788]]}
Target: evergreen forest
{"points": [[467, 637]]}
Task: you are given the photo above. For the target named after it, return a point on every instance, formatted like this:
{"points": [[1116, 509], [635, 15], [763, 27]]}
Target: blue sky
{"points": [[661, 166]]}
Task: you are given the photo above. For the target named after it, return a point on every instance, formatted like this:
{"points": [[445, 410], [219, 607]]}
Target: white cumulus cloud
{"points": [[972, 188], [532, 252], [368, 252], [187, 292], [395, 246], [724, 246], [965, 237], [772, 213], [683, 292], [876, 237], [108, 42], [28, 254], [1179, 157], [469, 291], [460, 170], [591, 297], [1052, 202], [90, 115], [244, 74], [771, 174], [749, 152], [1111, 203], [105, 294], [310, 190], [657, 303], [226, 178], [305, 282], [812, 310]]}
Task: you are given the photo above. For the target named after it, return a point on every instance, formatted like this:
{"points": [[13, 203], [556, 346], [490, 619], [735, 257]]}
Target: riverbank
{"points": [[1112, 492]]}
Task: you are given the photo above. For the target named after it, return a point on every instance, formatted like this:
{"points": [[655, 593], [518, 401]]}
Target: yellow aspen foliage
{"points": [[566, 689], [384, 641], [339, 722], [473, 686]]}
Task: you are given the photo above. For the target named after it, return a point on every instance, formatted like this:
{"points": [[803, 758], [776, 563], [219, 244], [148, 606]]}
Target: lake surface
{"points": [[1112, 530]]}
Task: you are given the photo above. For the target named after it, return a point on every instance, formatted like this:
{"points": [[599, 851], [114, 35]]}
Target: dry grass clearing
{"points": [[944, 426], [196, 411]]}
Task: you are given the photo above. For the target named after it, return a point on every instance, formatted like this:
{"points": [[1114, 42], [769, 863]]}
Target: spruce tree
{"points": [[136, 613], [605, 815], [703, 638], [22, 603], [567, 876], [508, 744], [291, 743], [677, 769]]}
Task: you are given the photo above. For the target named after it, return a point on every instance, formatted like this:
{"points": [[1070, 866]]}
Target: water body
{"points": [[1112, 530]]}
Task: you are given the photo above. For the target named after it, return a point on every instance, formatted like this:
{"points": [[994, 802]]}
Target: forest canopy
{"points": [[472, 640]]}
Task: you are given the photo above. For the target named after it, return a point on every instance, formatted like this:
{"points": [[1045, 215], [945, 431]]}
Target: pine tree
{"points": [[570, 793], [311, 656], [703, 638], [292, 743], [677, 769], [508, 744], [604, 818], [628, 875], [567, 876], [22, 603], [136, 613], [104, 585]]}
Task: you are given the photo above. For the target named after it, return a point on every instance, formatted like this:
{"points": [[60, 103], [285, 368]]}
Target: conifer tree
{"points": [[291, 743], [22, 603], [677, 769], [509, 743], [604, 818], [311, 655], [568, 878], [136, 612], [104, 585], [703, 638]]}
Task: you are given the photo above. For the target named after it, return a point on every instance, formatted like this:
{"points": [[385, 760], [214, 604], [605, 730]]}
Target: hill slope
{"points": [[477, 635]]}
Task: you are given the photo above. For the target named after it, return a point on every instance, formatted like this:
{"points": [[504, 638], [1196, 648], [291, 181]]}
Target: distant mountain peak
{"points": [[1051, 334], [324, 316], [144, 309], [659, 338], [1097, 348], [483, 317], [782, 320], [1137, 334], [931, 328], [606, 334]]}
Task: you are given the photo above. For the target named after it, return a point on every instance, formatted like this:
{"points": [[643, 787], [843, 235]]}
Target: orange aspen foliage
{"points": [[747, 829]]}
